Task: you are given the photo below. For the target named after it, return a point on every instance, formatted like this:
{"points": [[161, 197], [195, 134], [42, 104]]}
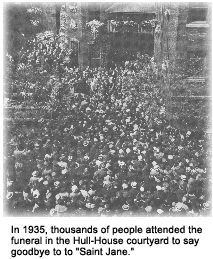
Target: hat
{"points": [[159, 211], [36, 193], [154, 163], [128, 150], [107, 177], [85, 143], [58, 196], [9, 195], [70, 158], [183, 177], [108, 165], [142, 189], [56, 183], [157, 180], [106, 183], [121, 163], [125, 207], [122, 134], [133, 184], [100, 209], [110, 145], [60, 208], [47, 156], [91, 192], [206, 205], [74, 188], [178, 206], [62, 164], [64, 171], [124, 186], [188, 133], [153, 172], [40, 179], [98, 162], [53, 174], [148, 209], [35, 173], [90, 205], [84, 193]]}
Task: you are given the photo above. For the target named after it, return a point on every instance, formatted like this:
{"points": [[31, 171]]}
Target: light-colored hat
{"points": [[106, 183], [206, 205], [36, 193], [124, 186], [183, 177], [56, 183], [125, 207], [154, 163], [84, 193], [148, 209], [64, 171], [133, 184], [128, 150], [158, 188], [153, 172], [52, 212], [9, 195], [62, 164], [35, 173], [140, 157], [74, 188], [98, 162], [60, 208], [142, 189], [159, 211]]}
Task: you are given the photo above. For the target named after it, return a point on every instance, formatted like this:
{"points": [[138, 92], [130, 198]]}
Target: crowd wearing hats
{"points": [[110, 151]]}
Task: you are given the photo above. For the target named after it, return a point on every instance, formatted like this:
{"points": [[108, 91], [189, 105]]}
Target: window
{"points": [[75, 45], [94, 15], [197, 12], [197, 63], [110, 26]]}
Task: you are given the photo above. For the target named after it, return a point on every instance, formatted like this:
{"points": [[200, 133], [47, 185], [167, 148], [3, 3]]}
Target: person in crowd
{"points": [[106, 154]]}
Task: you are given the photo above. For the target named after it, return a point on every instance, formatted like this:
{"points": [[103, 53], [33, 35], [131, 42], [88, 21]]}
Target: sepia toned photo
{"points": [[107, 109]]}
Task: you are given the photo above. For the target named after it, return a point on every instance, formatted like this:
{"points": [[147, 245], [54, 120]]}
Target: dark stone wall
{"points": [[177, 38]]}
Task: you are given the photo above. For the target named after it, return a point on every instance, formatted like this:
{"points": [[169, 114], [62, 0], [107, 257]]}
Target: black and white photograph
{"points": [[107, 109]]}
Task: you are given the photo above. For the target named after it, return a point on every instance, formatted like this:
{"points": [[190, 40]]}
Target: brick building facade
{"points": [[74, 30], [183, 36], [182, 46]]}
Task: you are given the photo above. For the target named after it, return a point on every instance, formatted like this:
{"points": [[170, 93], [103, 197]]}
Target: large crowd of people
{"points": [[110, 151]]}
